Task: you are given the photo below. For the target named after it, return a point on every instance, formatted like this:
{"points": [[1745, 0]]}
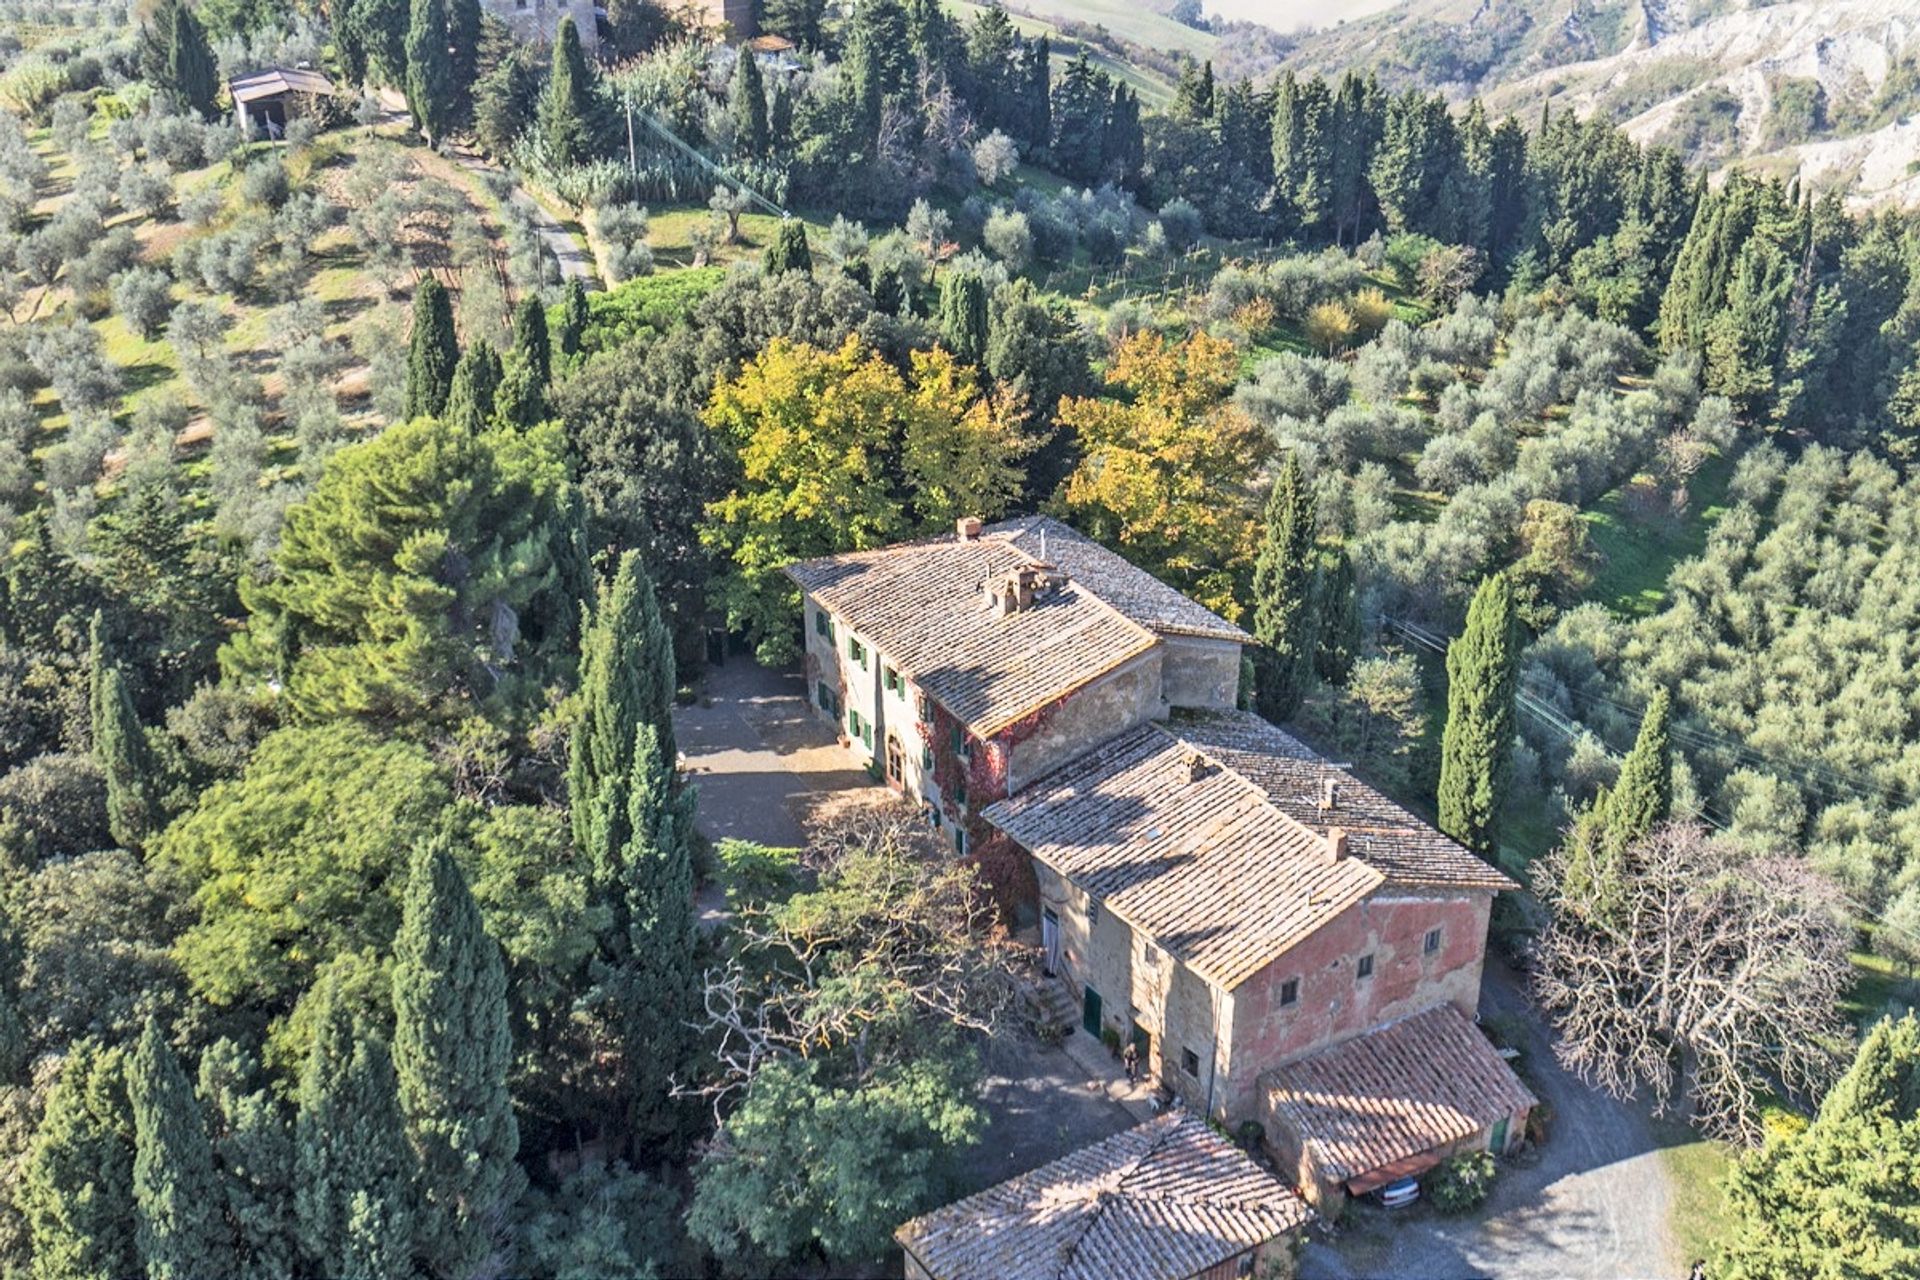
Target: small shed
{"points": [[264, 101], [1168, 1200], [1390, 1104]]}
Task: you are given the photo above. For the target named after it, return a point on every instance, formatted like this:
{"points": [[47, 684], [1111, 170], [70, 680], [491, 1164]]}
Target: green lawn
{"points": [[1696, 1168], [1880, 987], [1639, 550]]}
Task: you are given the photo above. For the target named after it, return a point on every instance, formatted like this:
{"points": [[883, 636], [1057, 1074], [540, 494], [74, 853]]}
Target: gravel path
{"points": [[1593, 1206]]}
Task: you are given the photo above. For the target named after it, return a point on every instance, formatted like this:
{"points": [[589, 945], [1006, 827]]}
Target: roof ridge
{"points": [[1099, 1200]]}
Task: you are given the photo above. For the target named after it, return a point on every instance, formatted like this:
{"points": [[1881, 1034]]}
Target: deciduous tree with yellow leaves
{"points": [[1167, 466], [840, 451]]}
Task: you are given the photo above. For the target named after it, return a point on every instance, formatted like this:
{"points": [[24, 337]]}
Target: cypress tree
{"points": [[789, 251], [76, 1185], [627, 679], [120, 744], [653, 983], [531, 341], [563, 111], [747, 105], [177, 1195], [891, 292], [521, 401], [463, 26], [1339, 610], [1643, 794], [451, 1055], [1476, 747], [433, 351], [253, 1150], [191, 72], [1039, 93], [353, 1173], [431, 92], [963, 316], [780, 120], [476, 383], [1283, 595], [575, 316]]}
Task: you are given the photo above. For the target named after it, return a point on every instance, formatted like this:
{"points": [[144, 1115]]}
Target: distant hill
{"points": [[1830, 88]]}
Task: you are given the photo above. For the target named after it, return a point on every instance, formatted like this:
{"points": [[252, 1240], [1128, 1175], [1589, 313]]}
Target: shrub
{"points": [[1370, 310], [1009, 237], [1330, 326], [266, 184], [1461, 1182]]}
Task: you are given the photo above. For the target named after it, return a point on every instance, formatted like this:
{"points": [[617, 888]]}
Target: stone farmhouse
{"points": [[538, 20], [1282, 942]]}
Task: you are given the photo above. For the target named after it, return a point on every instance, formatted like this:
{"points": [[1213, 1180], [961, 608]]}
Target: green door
{"points": [[1498, 1143], [1090, 1012]]}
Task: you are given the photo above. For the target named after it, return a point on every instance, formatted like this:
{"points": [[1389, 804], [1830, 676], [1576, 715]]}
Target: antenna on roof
{"points": [[1043, 540]]}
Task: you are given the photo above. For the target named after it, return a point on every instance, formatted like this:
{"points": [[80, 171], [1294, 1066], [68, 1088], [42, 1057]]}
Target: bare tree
{"points": [[1705, 973], [891, 932]]}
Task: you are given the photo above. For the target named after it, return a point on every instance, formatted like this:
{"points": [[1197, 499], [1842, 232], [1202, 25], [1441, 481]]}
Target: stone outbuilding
{"points": [[1391, 1104], [264, 101], [1169, 1200]]}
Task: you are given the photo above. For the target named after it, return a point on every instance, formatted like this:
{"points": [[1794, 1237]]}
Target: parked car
{"points": [[1399, 1193]]}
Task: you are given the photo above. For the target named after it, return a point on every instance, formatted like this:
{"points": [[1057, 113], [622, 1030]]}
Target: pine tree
{"points": [[1283, 595], [963, 316], [476, 383], [747, 105], [353, 1173], [177, 1196], [451, 1055], [563, 111], [575, 316], [431, 92], [1079, 111], [1193, 95], [253, 1150], [1842, 1197], [531, 341], [192, 74], [789, 251], [521, 401], [120, 745], [76, 1185], [1476, 747], [464, 28], [433, 351], [627, 679]]}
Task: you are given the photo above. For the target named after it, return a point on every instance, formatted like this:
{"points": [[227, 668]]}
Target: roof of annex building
{"points": [[1226, 840], [1382, 1104], [1164, 1201]]}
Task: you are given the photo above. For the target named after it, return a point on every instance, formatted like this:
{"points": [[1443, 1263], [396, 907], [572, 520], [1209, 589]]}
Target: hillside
{"points": [[1824, 87]]}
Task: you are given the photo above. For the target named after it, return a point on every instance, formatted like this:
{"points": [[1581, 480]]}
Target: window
{"points": [[1149, 953], [889, 678], [822, 624], [1290, 991], [1365, 968], [857, 651], [926, 711], [960, 742], [858, 727], [933, 815], [926, 755], [828, 698], [1246, 1265], [1190, 1063], [960, 792], [960, 842], [1432, 943]]}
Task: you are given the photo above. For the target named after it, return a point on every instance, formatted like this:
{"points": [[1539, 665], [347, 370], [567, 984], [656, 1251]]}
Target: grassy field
{"points": [[1696, 1167], [1638, 550], [1880, 988], [1151, 87]]}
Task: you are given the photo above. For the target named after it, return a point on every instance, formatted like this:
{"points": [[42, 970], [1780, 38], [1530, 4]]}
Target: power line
{"points": [[692, 153]]}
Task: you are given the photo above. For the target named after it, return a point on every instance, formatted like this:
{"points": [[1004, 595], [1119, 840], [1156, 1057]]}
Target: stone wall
{"points": [[1199, 674], [1095, 713], [1334, 1003]]}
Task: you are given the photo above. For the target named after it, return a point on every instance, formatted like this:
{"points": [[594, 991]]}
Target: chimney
{"points": [[1196, 766], [1329, 794], [967, 528], [1337, 843]]}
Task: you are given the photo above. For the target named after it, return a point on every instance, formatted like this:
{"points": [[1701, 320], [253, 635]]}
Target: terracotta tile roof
{"points": [[1207, 861], [920, 604], [1164, 1201], [1128, 588], [1399, 1091], [1207, 867], [1379, 832]]}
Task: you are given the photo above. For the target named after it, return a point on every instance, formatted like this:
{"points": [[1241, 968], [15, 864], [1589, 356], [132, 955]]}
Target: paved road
{"points": [[575, 262], [1594, 1207]]}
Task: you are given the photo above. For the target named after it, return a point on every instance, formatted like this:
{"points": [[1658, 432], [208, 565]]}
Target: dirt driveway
{"points": [[1594, 1207]]}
